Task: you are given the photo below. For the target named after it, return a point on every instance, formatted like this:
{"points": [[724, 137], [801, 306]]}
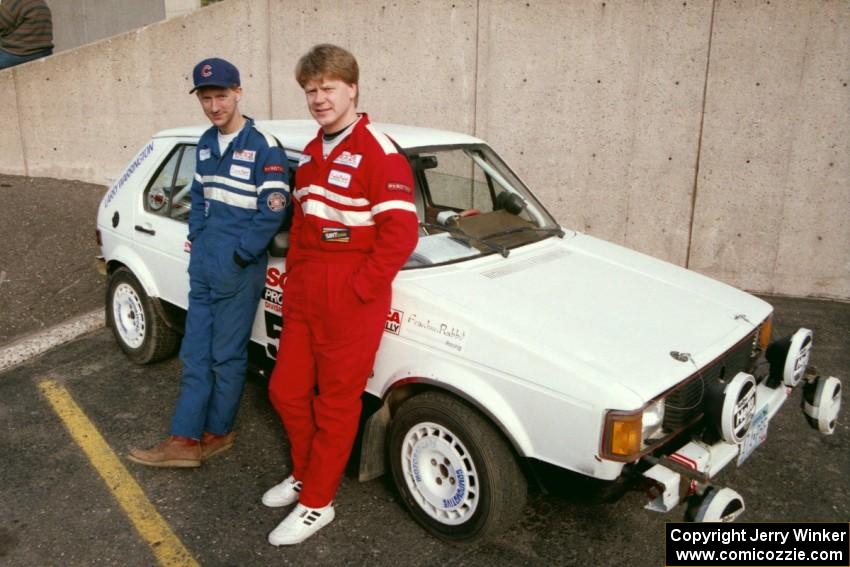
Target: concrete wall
{"points": [[712, 133], [11, 141], [772, 211], [417, 57], [78, 22], [606, 99], [86, 111], [175, 8]]}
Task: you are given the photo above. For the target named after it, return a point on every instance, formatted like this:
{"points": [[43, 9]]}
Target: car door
{"points": [[162, 224]]}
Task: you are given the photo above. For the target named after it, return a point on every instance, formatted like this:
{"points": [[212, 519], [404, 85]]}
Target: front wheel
{"points": [[455, 471], [141, 333]]}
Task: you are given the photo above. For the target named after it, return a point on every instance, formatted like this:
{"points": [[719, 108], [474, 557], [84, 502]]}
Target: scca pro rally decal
{"points": [[349, 159], [276, 201], [393, 323], [273, 309], [273, 294], [339, 178], [245, 155], [134, 165], [331, 234]]}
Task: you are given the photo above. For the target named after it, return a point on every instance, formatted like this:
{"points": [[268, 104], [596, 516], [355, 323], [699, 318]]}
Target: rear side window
{"points": [[168, 195]]}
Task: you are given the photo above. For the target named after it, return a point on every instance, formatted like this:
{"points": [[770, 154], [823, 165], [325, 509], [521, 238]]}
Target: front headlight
{"points": [[764, 332], [653, 419], [629, 434]]}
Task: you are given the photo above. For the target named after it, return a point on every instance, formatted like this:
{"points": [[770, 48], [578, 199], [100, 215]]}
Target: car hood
{"points": [[597, 311]]}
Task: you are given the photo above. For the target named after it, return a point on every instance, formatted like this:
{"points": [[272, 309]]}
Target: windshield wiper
{"points": [[460, 234], [558, 231]]}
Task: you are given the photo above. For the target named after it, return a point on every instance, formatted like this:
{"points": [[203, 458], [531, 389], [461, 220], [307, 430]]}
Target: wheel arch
{"points": [[145, 279], [125, 257], [463, 385]]}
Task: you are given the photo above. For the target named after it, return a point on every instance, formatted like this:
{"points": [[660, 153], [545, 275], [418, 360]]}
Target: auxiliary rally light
{"points": [[822, 402], [715, 505], [797, 359], [732, 406]]}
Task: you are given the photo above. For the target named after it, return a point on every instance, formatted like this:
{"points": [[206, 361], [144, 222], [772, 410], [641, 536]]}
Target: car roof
{"points": [[295, 134]]}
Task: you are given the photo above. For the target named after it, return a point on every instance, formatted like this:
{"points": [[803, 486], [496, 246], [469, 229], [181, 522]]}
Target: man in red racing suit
{"points": [[354, 226]]}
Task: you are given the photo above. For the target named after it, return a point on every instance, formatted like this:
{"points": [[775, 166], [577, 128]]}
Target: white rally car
{"points": [[506, 331]]}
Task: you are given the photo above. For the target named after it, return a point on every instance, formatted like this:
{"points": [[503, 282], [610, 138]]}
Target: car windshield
{"points": [[471, 204]]}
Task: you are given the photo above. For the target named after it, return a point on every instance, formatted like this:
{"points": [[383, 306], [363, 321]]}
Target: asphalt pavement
{"points": [[58, 507], [47, 227]]}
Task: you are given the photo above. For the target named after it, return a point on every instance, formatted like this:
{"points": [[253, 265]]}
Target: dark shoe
{"points": [[212, 445], [175, 451]]}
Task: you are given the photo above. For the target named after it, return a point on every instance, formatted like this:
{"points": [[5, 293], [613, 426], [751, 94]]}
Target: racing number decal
{"points": [[274, 325]]}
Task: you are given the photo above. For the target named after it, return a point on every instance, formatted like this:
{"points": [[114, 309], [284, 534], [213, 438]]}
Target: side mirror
{"points": [[423, 162], [510, 202]]}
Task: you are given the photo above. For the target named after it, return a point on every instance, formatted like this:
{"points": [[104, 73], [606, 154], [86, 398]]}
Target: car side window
{"points": [[168, 195]]}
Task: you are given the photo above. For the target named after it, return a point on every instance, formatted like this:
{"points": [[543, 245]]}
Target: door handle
{"points": [[145, 229]]}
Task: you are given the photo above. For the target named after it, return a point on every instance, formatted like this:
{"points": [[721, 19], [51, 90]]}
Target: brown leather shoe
{"points": [[175, 451], [212, 445]]}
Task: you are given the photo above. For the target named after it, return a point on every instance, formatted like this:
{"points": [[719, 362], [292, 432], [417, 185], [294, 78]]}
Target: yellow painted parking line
{"points": [[166, 547]]}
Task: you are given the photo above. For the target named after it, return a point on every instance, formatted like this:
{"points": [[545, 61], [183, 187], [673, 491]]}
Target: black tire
{"points": [[140, 331], [455, 471]]}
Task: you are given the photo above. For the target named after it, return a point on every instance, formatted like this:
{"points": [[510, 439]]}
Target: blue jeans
{"points": [[10, 59]]}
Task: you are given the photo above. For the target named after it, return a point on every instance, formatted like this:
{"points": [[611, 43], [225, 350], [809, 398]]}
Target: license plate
{"points": [[755, 436]]}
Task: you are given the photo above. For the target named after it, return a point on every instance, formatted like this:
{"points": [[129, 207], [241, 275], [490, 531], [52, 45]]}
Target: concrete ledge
{"points": [[36, 344]]}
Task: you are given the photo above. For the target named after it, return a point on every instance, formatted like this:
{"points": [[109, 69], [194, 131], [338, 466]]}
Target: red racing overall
{"points": [[354, 226]]}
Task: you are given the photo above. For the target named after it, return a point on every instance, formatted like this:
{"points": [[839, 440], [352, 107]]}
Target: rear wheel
{"points": [[456, 473], [141, 333]]}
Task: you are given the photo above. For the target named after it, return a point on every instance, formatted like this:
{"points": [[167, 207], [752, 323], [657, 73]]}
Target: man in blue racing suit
{"points": [[239, 196]]}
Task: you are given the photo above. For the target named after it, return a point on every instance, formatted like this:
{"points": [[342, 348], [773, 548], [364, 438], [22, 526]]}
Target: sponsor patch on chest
{"points": [[349, 159], [245, 155], [339, 178], [204, 154], [240, 171], [331, 234], [304, 159]]}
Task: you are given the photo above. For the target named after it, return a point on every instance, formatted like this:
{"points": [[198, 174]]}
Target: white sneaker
{"points": [[283, 494], [300, 524]]}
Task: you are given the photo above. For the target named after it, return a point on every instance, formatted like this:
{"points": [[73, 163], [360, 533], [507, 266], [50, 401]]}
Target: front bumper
{"points": [[685, 475]]}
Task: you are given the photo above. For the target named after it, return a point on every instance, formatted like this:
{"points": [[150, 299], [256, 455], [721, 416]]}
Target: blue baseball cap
{"points": [[215, 72]]}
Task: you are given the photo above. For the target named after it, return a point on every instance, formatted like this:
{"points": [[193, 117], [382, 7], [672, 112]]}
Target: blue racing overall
{"points": [[238, 201]]}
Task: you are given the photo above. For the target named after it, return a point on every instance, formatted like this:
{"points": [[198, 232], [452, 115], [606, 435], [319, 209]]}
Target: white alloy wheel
{"points": [[140, 330], [128, 315], [439, 473], [456, 472]]}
